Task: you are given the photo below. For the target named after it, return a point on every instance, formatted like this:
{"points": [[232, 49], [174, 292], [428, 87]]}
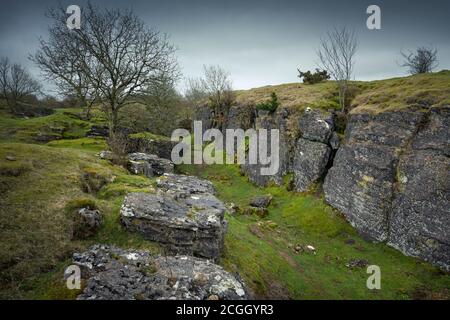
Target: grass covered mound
{"points": [[264, 251], [40, 187]]}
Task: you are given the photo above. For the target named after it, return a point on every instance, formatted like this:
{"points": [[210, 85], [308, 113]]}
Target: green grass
{"points": [[63, 124], [261, 250], [37, 189]]}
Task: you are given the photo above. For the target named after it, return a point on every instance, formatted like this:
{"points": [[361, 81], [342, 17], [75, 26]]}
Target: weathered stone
{"points": [[106, 155], [360, 183], [316, 125], [86, 223], [420, 218], [98, 131], [286, 122], [177, 183], [310, 161], [116, 274], [357, 263], [184, 224], [261, 202], [240, 117], [391, 180], [334, 141], [149, 165]]}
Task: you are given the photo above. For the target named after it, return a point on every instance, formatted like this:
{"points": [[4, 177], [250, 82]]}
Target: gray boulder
{"points": [[184, 224], [149, 165], [183, 184], [316, 125], [261, 202], [86, 223], [420, 217], [112, 273], [310, 161]]}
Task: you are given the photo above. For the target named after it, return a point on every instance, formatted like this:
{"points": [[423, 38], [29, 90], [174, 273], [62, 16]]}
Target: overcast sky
{"points": [[259, 42]]}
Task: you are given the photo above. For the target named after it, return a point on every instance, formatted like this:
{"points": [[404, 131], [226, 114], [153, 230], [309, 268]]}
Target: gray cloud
{"points": [[259, 42]]}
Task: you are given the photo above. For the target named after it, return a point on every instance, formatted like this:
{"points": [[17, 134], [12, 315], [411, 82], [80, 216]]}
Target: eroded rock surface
{"points": [[391, 180], [178, 183], [149, 165], [117, 274], [185, 224], [310, 161]]}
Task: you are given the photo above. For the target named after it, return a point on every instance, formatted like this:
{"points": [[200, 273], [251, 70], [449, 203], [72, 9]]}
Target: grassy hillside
{"points": [[41, 185], [373, 96]]}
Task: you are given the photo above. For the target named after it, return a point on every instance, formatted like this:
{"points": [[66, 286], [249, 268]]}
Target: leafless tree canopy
{"points": [[424, 60], [336, 53], [110, 59], [16, 83]]}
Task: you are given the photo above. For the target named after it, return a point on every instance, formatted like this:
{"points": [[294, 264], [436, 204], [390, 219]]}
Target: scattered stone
{"points": [[106, 155], [311, 249], [261, 202], [112, 273], [357, 263], [310, 161], [10, 158], [86, 223], [184, 224], [182, 184], [148, 164]]}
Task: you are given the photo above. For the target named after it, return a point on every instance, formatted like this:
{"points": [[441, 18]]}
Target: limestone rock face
{"points": [[310, 161], [240, 117], [420, 218], [285, 122], [157, 145], [149, 165], [117, 274], [391, 180], [184, 224], [316, 125]]}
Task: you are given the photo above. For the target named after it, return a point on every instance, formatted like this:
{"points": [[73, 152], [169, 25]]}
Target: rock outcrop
{"points": [[391, 180], [184, 216], [112, 273], [149, 165], [86, 223], [151, 144]]}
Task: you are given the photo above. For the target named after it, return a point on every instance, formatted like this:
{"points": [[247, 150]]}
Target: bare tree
{"points": [[217, 85], [424, 60], [114, 55], [336, 53], [16, 84]]}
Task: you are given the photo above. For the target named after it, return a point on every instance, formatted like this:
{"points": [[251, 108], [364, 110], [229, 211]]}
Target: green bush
{"points": [[312, 78], [271, 105]]}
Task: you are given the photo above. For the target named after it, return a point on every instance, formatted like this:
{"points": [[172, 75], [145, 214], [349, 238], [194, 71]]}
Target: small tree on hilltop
{"points": [[424, 60], [336, 53]]}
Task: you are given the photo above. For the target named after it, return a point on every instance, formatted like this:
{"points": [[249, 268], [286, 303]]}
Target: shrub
{"points": [[271, 105], [312, 78]]}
